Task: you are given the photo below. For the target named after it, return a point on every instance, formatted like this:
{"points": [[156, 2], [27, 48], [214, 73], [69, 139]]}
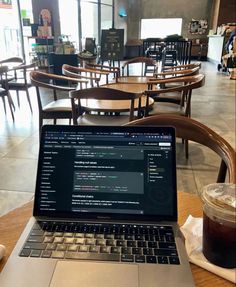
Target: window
{"points": [[160, 28]]}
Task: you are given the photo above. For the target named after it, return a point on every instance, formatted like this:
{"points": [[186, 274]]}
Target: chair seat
{"points": [[90, 119], [166, 108], [169, 97], [18, 83], [58, 106]]}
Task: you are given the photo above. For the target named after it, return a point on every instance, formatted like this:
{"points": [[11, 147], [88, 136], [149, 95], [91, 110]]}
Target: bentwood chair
{"points": [[49, 104], [172, 97], [105, 68], [185, 86], [93, 76], [195, 131], [148, 65], [89, 102], [18, 76], [4, 90]]}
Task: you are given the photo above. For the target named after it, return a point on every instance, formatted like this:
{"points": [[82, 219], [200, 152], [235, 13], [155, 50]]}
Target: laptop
{"points": [[105, 212]]}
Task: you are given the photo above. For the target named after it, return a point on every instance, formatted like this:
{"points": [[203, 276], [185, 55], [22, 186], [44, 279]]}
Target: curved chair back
{"points": [[145, 61], [90, 74], [193, 130], [106, 94]]}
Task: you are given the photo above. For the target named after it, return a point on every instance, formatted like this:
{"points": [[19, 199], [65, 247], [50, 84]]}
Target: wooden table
{"points": [[119, 105], [13, 223]]}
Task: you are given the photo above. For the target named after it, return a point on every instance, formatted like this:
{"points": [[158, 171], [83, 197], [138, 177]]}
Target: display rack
{"points": [[40, 50]]}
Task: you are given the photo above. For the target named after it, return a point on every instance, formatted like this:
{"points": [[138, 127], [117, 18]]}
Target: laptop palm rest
{"points": [[90, 274]]}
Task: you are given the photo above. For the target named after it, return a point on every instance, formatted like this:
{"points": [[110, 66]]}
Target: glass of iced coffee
{"points": [[219, 224]]}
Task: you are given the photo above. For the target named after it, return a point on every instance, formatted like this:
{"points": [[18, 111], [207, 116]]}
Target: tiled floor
{"points": [[213, 105]]}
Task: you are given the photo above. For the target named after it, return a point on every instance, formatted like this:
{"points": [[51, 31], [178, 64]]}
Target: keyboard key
{"points": [[58, 254], [99, 236], [46, 254], [101, 242], [39, 246], [131, 243], [90, 241], [129, 237], [61, 247], [58, 234], [116, 250], [110, 242], [83, 248], [127, 258], [126, 250], [51, 246], [38, 232], [89, 235], [174, 260], [140, 259], [69, 240], [109, 236], [147, 251], [121, 243], [36, 239], [58, 239], [162, 259], [79, 241], [167, 245], [72, 247], [152, 244], [49, 239], [79, 235], [104, 249], [92, 256], [25, 253], [68, 234], [151, 259], [136, 250], [35, 253], [139, 237], [165, 252], [142, 244], [119, 236], [94, 249]]}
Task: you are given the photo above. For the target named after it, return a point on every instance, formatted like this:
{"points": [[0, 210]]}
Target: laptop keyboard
{"points": [[102, 242]]}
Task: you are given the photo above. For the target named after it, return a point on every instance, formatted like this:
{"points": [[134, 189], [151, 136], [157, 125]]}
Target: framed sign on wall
{"points": [[198, 26]]}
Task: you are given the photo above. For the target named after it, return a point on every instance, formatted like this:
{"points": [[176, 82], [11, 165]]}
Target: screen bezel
{"points": [[106, 216]]}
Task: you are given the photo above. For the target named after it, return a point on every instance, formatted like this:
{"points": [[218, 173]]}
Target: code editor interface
{"points": [[110, 172]]}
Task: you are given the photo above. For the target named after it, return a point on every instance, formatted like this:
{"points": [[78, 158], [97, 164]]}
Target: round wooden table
{"points": [[13, 223], [118, 106]]}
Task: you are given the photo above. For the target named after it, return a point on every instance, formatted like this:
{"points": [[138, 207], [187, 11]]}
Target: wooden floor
{"points": [[213, 105]]}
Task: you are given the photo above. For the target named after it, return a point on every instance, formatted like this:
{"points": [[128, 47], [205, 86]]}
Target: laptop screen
{"points": [[124, 172]]}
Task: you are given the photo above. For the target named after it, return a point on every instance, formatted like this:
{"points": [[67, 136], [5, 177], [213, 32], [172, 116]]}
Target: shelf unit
{"points": [[40, 50]]}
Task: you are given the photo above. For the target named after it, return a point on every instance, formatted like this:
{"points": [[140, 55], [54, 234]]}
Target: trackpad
{"points": [[91, 274]]}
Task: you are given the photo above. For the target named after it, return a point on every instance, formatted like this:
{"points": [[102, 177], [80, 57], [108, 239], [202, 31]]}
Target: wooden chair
{"points": [[145, 62], [92, 75], [185, 86], [193, 130], [173, 97], [105, 68], [106, 116], [4, 90], [18, 76], [56, 108]]}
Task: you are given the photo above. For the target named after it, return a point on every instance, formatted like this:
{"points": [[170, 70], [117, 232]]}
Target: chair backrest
{"points": [[90, 74], [12, 60], [185, 85], [193, 130], [184, 67], [174, 73], [46, 80], [145, 61], [100, 93]]}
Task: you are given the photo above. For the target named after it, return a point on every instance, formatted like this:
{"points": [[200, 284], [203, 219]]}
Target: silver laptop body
{"points": [[105, 212]]}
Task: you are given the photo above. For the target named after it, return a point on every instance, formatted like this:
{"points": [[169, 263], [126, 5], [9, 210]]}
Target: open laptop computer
{"points": [[105, 212]]}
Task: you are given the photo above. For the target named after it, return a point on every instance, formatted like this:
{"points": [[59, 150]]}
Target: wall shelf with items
{"points": [[41, 47]]}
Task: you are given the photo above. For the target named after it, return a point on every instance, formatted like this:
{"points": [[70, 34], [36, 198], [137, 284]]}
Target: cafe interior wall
{"points": [[185, 9]]}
